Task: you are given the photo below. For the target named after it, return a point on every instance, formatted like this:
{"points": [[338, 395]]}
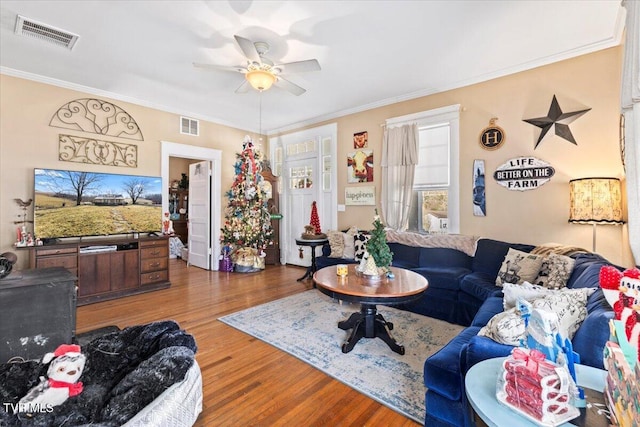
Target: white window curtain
{"points": [[630, 103], [399, 159]]}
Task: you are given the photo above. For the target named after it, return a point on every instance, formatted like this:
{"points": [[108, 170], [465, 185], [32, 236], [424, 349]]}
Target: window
{"points": [[436, 178]]}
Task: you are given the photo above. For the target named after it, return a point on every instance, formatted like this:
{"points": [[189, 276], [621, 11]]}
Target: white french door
{"points": [[302, 190], [199, 214]]}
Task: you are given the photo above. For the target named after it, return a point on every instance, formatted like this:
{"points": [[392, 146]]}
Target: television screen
{"points": [[77, 204]]}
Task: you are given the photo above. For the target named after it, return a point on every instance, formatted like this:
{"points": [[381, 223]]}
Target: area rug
{"points": [[305, 326]]}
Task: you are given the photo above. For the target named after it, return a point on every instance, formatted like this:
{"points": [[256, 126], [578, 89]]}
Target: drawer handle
{"points": [[155, 253], [154, 264], [154, 276]]}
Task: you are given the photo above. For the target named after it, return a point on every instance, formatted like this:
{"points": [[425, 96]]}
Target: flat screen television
{"points": [[79, 204]]}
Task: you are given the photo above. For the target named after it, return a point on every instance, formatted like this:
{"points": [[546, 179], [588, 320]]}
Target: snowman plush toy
{"points": [[67, 364]]}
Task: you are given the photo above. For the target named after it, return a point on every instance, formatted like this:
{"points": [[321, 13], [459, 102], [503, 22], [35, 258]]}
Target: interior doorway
{"points": [[172, 149]]}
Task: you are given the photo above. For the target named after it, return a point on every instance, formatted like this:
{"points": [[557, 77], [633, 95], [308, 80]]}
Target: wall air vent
{"points": [[189, 126], [29, 27]]}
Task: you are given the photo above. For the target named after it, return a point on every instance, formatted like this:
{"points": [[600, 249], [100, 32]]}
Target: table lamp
{"points": [[595, 201]]}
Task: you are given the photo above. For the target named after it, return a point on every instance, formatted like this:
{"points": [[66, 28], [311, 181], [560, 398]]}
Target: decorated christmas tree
{"points": [[377, 246], [247, 222]]}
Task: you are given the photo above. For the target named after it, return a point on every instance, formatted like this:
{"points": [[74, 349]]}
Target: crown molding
{"points": [[117, 96]]}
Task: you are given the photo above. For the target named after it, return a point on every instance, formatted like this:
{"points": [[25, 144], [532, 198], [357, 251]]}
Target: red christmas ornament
{"points": [[315, 220]]}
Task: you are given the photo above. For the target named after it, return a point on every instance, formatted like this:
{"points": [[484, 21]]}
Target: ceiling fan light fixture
{"points": [[260, 79]]}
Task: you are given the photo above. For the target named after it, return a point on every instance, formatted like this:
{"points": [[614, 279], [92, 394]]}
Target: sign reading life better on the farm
{"points": [[523, 173], [354, 196]]}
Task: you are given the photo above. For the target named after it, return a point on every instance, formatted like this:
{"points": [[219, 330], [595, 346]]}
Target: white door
{"points": [[199, 214], [301, 179]]}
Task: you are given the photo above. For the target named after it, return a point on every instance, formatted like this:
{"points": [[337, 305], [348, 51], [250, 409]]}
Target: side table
{"points": [[312, 243], [480, 386]]}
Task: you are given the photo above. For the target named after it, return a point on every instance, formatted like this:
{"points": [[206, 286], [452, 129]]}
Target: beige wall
{"points": [[27, 141], [537, 216]]}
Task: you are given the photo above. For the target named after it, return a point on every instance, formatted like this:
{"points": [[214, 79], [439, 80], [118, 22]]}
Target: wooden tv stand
{"points": [[136, 265]]}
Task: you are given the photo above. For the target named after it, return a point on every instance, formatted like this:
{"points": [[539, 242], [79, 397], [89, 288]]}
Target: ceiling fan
{"points": [[261, 72]]}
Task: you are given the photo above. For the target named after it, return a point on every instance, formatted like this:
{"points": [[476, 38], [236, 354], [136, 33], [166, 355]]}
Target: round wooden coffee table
{"points": [[368, 323]]}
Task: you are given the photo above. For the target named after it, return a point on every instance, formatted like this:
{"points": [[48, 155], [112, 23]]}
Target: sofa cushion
{"points": [[444, 258], [590, 339], [555, 271], [491, 307], [480, 286], [442, 369], [405, 256], [583, 262], [490, 254], [519, 267], [443, 277]]}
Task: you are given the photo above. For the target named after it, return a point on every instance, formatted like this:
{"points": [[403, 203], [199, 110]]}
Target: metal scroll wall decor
{"points": [[93, 151], [96, 116]]}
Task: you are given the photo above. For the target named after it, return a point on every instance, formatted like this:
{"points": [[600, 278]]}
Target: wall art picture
{"points": [[361, 140], [479, 198], [523, 173], [556, 122], [360, 166], [360, 196]]}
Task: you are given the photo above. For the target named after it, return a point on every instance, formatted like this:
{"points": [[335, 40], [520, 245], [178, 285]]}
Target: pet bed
{"points": [[141, 376]]}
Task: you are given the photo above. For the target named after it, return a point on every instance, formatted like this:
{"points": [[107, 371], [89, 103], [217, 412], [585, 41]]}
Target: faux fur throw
{"points": [[558, 249], [124, 372], [466, 244]]}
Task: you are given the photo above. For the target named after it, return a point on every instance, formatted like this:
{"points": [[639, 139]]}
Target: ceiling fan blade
{"points": [[237, 69], [299, 66], [288, 86], [244, 87], [249, 49]]}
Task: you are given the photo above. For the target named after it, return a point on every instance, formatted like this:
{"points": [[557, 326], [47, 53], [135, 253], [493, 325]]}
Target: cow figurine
{"points": [[361, 166], [67, 364]]}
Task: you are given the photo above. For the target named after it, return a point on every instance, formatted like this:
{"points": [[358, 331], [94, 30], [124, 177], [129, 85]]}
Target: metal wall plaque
{"points": [[93, 151], [523, 173]]}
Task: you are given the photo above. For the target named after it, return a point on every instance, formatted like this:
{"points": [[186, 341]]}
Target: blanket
{"points": [[557, 248], [466, 244], [124, 372]]}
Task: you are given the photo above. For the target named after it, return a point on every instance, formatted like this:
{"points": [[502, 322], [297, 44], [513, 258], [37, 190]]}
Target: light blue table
{"points": [[480, 384]]}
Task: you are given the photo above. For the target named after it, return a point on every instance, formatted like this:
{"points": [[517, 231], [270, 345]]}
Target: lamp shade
{"points": [[595, 201], [260, 79]]}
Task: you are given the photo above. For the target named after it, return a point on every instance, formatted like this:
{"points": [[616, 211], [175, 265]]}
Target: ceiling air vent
{"points": [[29, 27], [189, 126]]}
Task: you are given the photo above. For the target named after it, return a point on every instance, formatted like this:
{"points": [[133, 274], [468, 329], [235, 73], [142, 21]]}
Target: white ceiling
{"points": [[372, 53]]}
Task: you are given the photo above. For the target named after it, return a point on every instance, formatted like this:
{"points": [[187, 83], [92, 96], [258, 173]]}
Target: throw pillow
{"points": [[336, 242], [360, 243], [505, 328], [519, 267], [555, 271], [571, 307], [512, 292], [349, 244]]}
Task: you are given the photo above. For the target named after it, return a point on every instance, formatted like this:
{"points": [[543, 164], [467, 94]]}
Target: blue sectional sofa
{"points": [[462, 290]]}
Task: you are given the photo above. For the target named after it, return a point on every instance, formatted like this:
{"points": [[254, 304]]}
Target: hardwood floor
{"points": [[246, 382]]}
